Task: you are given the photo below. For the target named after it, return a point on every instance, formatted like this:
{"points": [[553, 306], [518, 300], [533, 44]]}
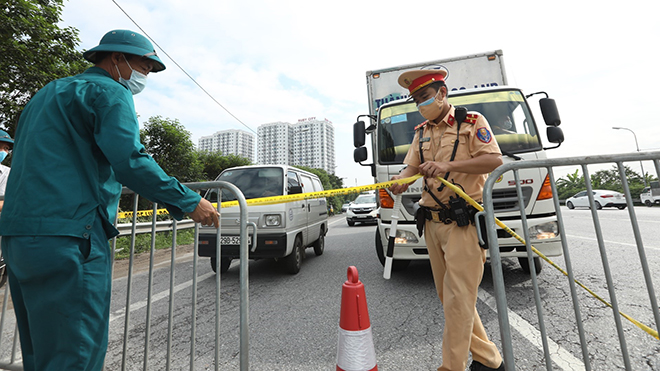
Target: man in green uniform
{"points": [[76, 143], [6, 145]]}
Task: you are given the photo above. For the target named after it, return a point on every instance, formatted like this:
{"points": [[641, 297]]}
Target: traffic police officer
{"points": [[463, 152], [77, 142]]}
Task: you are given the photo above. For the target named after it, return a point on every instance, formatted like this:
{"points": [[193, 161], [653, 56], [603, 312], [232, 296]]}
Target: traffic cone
{"points": [[355, 349]]}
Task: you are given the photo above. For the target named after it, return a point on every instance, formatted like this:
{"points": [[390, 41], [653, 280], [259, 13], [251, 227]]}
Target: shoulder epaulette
{"points": [[421, 125], [471, 118]]}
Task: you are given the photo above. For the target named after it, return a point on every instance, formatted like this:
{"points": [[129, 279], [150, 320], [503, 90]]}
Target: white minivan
{"points": [[285, 230]]}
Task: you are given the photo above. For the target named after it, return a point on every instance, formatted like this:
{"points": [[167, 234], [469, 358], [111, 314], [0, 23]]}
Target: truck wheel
{"points": [[319, 245], [648, 203], [397, 265], [293, 262], [569, 204], [224, 264], [350, 223], [524, 264]]}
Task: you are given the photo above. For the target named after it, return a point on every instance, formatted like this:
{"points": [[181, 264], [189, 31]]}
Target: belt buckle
{"points": [[435, 216]]}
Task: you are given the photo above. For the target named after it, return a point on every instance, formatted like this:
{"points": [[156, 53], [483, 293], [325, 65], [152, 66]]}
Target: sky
{"points": [[267, 61]]}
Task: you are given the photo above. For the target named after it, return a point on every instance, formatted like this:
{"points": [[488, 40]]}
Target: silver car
{"points": [[602, 198], [362, 210]]}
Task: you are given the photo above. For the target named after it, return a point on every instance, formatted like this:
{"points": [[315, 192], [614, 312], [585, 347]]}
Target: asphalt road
{"points": [[294, 318]]}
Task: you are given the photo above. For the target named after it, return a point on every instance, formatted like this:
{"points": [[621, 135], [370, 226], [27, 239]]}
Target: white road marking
{"points": [[560, 356], [161, 295], [646, 247]]}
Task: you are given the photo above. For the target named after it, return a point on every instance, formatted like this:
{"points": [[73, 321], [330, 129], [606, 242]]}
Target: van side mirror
{"points": [[550, 112], [358, 134], [294, 190], [360, 154]]}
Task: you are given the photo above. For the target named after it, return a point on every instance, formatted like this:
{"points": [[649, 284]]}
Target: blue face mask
{"points": [[3, 155], [431, 108], [426, 102]]}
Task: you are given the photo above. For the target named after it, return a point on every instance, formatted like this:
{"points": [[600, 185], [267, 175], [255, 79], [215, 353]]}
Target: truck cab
{"points": [[513, 125], [651, 195]]}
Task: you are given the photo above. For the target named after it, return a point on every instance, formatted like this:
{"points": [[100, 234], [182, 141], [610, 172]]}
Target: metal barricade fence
{"points": [[9, 343], [496, 262]]}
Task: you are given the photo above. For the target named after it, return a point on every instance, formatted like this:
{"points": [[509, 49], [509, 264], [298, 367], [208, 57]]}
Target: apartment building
{"points": [[309, 142], [274, 143], [229, 142]]}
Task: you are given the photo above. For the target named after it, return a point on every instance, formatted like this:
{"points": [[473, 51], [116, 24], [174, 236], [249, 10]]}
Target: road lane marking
{"points": [[560, 356], [614, 242], [120, 313]]}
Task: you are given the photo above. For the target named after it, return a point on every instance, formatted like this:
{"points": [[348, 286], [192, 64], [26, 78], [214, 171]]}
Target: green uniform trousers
{"points": [[60, 287], [457, 262]]}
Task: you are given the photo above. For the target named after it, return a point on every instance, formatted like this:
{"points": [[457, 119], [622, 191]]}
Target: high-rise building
{"points": [[274, 143], [229, 142], [314, 144], [309, 142]]}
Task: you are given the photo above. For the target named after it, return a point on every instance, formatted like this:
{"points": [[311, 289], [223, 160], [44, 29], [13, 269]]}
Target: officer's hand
{"points": [[433, 169], [205, 213], [398, 188]]}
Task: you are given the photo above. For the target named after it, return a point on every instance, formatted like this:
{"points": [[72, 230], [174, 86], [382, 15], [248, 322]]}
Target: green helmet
{"points": [[4, 137], [125, 41]]}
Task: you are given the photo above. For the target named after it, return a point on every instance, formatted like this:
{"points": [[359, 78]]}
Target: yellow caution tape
{"points": [[472, 202], [290, 198]]}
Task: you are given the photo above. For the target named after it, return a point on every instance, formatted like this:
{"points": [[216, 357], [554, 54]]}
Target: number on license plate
{"points": [[233, 240]]}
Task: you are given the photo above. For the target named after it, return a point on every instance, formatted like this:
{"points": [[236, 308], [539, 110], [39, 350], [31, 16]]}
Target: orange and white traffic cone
{"points": [[355, 349]]}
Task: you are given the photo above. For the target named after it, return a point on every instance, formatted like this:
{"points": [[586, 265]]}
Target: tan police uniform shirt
{"points": [[475, 139]]}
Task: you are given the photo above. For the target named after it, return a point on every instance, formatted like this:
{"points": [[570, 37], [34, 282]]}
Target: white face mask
{"points": [[136, 83]]}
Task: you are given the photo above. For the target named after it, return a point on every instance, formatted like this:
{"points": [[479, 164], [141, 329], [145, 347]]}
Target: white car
{"points": [[602, 199], [363, 210]]}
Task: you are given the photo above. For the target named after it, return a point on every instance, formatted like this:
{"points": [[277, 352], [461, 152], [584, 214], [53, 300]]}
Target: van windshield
{"points": [[506, 111], [253, 182]]}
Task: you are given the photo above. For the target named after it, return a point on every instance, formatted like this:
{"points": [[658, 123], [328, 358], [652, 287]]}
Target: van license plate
{"points": [[233, 240]]}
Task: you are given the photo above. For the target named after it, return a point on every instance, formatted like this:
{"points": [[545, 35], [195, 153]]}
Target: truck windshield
{"points": [[253, 182], [506, 112]]}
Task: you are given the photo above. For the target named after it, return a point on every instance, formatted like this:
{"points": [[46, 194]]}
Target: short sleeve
{"points": [[412, 157], [483, 141]]}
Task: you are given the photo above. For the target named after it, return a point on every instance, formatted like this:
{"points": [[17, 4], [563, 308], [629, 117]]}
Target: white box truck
{"points": [[477, 82], [651, 195]]}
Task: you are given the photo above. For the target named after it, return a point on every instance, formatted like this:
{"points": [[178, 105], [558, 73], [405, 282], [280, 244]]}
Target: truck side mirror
{"points": [[360, 154], [555, 135], [550, 112], [358, 134]]}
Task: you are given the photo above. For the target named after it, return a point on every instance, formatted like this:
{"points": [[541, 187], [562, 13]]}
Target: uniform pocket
{"points": [[85, 248], [447, 147]]}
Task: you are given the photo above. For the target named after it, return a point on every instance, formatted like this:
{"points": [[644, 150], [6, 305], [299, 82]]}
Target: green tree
{"points": [[34, 50], [601, 179], [609, 179], [573, 184], [169, 143], [329, 181], [213, 163]]}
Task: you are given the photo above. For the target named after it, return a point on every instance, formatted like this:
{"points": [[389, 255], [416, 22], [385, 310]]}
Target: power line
{"points": [[181, 68]]}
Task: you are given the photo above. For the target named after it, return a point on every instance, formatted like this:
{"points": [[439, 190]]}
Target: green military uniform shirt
{"points": [[76, 143]]}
